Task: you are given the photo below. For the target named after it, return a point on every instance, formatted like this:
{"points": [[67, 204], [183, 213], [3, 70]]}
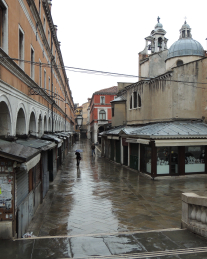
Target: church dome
{"points": [[185, 47], [158, 26]]}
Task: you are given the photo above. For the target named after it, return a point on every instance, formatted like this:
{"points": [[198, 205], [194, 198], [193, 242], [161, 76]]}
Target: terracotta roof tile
{"points": [[110, 90]]}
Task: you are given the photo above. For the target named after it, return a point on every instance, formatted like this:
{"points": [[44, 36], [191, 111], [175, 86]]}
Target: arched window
{"points": [[179, 63], [130, 103], [102, 115], [188, 33], [139, 101], [160, 42], [135, 99]]}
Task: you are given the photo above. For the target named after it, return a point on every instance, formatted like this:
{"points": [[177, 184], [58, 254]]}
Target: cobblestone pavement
{"points": [[100, 207]]}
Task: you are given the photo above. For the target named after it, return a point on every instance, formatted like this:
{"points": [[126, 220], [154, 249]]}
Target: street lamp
{"points": [[79, 119]]}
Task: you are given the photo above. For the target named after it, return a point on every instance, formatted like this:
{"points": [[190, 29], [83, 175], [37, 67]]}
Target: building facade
{"points": [[35, 100], [165, 131], [100, 111]]}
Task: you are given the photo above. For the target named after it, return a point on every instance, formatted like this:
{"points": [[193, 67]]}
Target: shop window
{"points": [[135, 99], [195, 159], [21, 48], [102, 99], [147, 156], [102, 115], [130, 103], [139, 101], [167, 160]]}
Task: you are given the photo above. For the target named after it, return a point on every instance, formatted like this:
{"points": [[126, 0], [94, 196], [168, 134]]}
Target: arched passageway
{"points": [[5, 120], [40, 126], [32, 124], [45, 124], [21, 123]]}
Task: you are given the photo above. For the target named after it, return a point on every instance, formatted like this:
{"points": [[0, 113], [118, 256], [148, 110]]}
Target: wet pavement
{"points": [[104, 209]]}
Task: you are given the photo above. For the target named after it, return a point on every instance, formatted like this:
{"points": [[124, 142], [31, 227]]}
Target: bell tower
{"points": [[156, 41]]}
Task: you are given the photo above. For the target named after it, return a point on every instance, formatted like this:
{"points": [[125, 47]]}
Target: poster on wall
{"points": [[6, 182]]}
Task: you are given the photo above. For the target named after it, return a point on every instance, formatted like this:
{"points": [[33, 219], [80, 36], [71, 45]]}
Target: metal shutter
{"points": [[22, 186]]}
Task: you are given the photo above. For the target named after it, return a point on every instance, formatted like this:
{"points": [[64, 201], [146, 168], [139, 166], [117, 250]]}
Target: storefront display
{"points": [[148, 158], [194, 159], [167, 160]]}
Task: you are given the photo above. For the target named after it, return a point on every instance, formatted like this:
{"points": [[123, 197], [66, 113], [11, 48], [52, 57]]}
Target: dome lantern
{"points": [[184, 50], [185, 31]]}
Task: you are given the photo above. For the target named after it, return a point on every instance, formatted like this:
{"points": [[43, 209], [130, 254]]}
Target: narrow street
{"points": [[105, 209]]}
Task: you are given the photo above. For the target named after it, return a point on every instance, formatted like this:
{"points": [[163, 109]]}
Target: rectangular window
{"points": [[112, 110], [21, 48], [44, 79], [32, 63], [49, 37], [4, 25], [102, 99], [44, 24], [40, 8], [40, 74], [49, 86]]}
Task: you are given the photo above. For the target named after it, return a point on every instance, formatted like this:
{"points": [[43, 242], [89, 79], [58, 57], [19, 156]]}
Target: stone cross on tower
{"points": [[158, 19]]}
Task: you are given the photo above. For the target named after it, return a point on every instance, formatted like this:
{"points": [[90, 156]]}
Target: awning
{"points": [[113, 137], [30, 164], [141, 141], [180, 142], [17, 152], [43, 145]]}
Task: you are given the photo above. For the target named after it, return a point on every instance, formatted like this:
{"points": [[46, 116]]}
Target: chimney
{"points": [[50, 4]]}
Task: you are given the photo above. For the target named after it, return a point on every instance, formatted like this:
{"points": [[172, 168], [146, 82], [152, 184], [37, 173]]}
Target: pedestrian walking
{"points": [[78, 158], [93, 148]]}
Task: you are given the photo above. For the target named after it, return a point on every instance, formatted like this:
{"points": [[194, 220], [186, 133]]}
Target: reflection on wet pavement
{"points": [[104, 209], [104, 197]]}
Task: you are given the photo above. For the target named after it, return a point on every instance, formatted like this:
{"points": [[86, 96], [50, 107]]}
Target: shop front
{"points": [[17, 203], [158, 159]]}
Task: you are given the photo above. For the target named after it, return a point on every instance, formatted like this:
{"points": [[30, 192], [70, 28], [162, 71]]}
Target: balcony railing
{"points": [[194, 213]]}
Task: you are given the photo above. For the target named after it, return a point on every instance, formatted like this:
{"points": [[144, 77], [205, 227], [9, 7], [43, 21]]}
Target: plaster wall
{"points": [[166, 98], [20, 17], [144, 69], [157, 63], [119, 114], [186, 97], [154, 66], [172, 62], [156, 103]]}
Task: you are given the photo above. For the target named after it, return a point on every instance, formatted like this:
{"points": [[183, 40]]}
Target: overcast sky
{"points": [[107, 35]]}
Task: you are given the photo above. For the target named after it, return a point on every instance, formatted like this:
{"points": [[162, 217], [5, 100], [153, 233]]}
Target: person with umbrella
{"points": [[78, 156]]}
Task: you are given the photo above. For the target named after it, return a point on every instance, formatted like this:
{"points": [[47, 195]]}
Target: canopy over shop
{"points": [[171, 148], [15, 162]]}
